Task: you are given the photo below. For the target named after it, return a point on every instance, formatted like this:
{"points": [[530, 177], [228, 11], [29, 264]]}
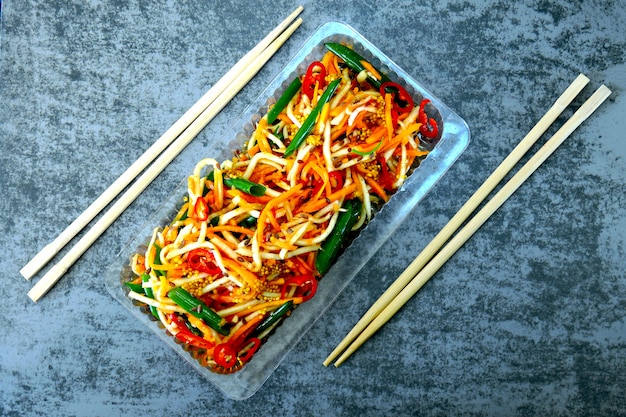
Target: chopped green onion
{"points": [[283, 100]]}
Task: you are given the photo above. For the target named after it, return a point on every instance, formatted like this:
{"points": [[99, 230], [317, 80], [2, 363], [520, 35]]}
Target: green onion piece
{"points": [[246, 186], [332, 245], [157, 260], [273, 317], [149, 293], [241, 184], [198, 309], [370, 152], [283, 100], [138, 288], [248, 222], [354, 62], [183, 216], [309, 122]]}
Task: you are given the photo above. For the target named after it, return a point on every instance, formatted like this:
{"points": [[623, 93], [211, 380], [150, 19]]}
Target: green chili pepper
{"points": [[309, 122], [354, 62], [273, 317], [332, 245], [283, 100], [198, 309]]}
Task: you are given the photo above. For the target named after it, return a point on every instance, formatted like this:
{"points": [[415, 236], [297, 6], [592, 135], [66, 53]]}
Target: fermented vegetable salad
{"points": [[256, 233]]}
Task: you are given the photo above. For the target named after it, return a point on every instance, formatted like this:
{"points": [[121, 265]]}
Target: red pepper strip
{"points": [[312, 77], [317, 185], [336, 178], [185, 335], [201, 209], [247, 355], [394, 117], [307, 286], [429, 128], [386, 179], [421, 115], [403, 102], [202, 260], [225, 355]]}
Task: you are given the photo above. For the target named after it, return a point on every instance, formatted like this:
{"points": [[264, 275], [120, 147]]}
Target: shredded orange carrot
{"points": [[323, 117], [401, 137], [376, 135], [357, 122], [377, 188], [340, 108], [219, 189], [261, 136], [253, 150], [315, 205], [219, 242], [371, 70], [243, 330], [338, 133], [284, 118], [273, 304], [232, 228], [270, 206], [416, 152], [248, 276], [175, 273]]}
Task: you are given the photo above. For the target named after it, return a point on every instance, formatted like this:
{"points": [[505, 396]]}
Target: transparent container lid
{"points": [[455, 137]]}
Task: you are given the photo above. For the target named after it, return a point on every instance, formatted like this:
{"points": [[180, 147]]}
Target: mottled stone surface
{"points": [[528, 318]]}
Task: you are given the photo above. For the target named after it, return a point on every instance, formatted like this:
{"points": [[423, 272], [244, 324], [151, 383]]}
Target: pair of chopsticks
{"points": [[432, 258], [169, 145]]}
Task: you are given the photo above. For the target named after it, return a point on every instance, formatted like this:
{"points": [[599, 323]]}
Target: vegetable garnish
{"points": [[315, 78], [202, 260], [256, 234]]}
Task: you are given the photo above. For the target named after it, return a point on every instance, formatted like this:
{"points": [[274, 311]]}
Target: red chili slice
{"points": [[224, 355], [249, 353], [193, 340], [316, 73], [386, 179], [201, 209], [202, 260], [429, 128], [307, 286], [185, 335], [403, 102], [336, 180]]}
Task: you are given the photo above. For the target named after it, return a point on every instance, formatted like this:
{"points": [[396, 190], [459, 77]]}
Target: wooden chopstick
{"points": [[50, 250], [468, 208], [234, 86], [423, 268]]}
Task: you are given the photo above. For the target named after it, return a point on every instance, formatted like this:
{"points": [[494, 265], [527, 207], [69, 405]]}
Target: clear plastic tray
{"points": [[454, 139]]}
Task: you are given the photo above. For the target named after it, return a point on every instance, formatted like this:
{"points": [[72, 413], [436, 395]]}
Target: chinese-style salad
{"points": [[255, 233]]}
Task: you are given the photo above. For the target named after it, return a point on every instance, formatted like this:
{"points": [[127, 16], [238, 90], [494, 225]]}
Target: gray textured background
{"points": [[528, 318]]}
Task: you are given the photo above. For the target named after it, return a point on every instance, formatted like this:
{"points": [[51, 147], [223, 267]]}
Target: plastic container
{"points": [[454, 139]]}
